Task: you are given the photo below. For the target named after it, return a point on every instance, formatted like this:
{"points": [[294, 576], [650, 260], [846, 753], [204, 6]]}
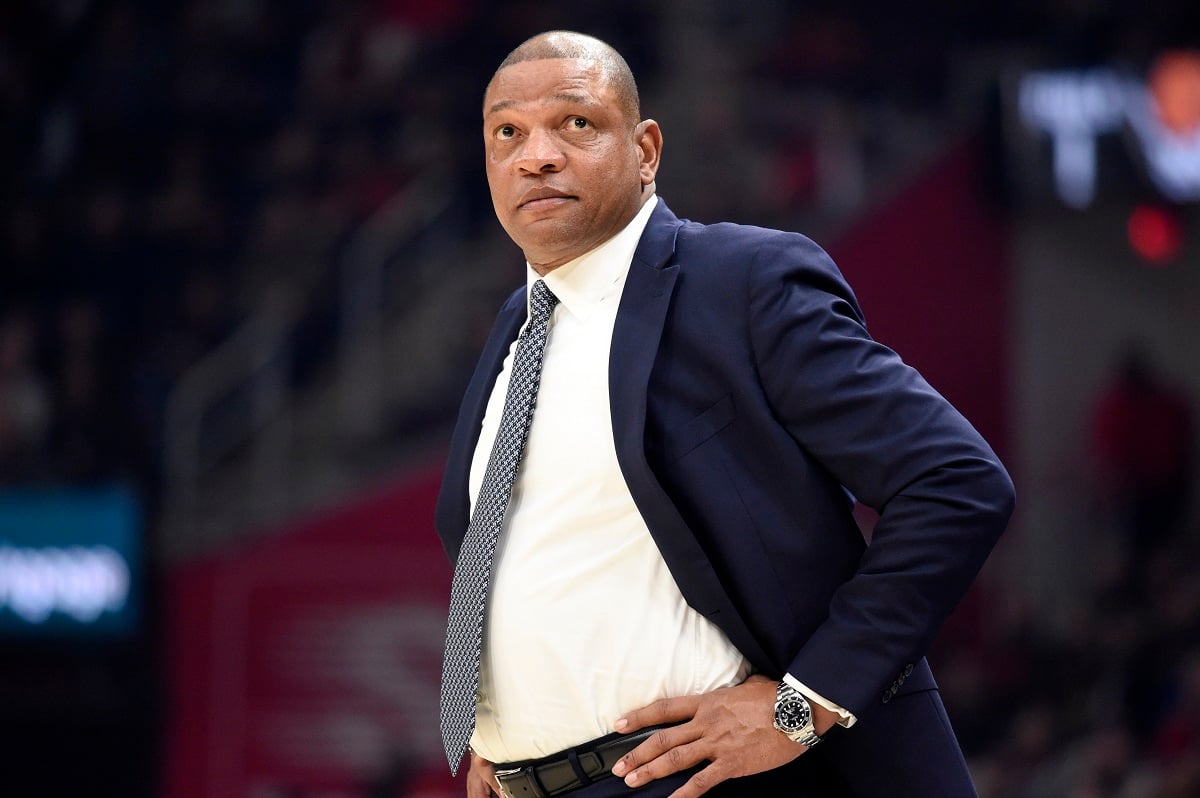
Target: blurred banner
{"points": [[1084, 133], [69, 563], [307, 664]]}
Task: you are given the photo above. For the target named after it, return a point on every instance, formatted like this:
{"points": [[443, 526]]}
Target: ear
{"points": [[648, 139]]}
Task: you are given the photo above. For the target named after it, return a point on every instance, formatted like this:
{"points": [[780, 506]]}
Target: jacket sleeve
{"points": [[897, 445]]}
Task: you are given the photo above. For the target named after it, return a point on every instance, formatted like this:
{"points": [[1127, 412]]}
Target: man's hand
{"points": [[481, 778], [732, 728]]}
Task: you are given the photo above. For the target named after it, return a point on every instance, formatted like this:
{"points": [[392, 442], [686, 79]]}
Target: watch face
{"points": [[792, 714]]}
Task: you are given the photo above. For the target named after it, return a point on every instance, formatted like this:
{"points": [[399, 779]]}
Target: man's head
{"points": [[569, 161]]}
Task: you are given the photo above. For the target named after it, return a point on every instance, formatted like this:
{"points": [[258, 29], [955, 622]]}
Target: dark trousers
{"points": [[813, 780]]}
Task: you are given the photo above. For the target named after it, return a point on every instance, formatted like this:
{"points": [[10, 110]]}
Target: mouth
{"points": [[542, 198]]}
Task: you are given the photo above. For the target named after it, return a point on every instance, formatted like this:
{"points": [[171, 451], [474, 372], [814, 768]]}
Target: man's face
{"points": [[565, 164]]}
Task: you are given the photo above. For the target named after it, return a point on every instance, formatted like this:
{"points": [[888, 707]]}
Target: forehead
{"points": [[530, 84]]}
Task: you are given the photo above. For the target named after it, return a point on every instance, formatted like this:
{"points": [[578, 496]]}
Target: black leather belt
{"points": [[574, 768]]}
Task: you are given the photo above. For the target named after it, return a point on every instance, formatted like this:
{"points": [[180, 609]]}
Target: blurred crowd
{"points": [[1109, 709], [171, 162], [166, 164], [1108, 706]]}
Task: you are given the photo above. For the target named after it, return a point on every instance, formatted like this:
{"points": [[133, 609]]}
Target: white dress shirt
{"points": [[585, 622]]}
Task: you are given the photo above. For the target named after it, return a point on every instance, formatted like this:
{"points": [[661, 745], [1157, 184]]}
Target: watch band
{"points": [[808, 738], [790, 702]]}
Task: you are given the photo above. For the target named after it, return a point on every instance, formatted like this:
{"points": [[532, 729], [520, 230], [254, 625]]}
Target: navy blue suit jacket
{"points": [[748, 404]]}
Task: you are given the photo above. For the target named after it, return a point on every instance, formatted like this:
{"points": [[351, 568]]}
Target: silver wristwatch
{"points": [[793, 715]]}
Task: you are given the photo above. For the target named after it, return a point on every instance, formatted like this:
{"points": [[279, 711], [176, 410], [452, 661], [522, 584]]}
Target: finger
{"points": [[702, 782], [481, 779], [487, 772], [664, 710], [655, 746], [682, 755], [477, 787], [680, 758]]}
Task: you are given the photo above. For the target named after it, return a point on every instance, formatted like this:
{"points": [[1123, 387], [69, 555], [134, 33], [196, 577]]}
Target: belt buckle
{"points": [[519, 776]]}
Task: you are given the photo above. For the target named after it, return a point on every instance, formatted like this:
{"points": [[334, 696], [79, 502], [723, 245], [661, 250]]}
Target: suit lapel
{"points": [[638, 329], [641, 318]]}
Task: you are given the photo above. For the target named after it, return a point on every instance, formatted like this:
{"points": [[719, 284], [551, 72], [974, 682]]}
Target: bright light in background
{"points": [[1154, 234], [78, 581], [1075, 107], [69, 562], [1175, 87]]}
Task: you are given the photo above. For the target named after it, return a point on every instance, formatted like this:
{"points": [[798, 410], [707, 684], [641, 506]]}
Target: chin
{"points": [[549, 247]]}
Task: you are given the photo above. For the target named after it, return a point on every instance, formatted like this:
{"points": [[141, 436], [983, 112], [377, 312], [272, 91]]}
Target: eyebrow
{"points": [[578, 99]]}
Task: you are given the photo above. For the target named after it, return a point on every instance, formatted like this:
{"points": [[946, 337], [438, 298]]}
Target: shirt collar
{"points": [[581, 284]]}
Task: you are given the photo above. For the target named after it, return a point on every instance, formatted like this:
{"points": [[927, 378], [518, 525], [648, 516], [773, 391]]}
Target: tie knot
{"points": [[541, 301]]}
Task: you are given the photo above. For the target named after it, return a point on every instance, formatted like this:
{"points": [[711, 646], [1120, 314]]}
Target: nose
{"points": [[540, 153]]}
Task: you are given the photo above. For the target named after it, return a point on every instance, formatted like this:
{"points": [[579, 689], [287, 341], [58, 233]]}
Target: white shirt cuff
{"points": [[845, 718]]}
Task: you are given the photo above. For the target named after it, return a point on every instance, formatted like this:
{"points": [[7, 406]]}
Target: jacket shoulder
{"points": [[760, 254], [747, 241]]}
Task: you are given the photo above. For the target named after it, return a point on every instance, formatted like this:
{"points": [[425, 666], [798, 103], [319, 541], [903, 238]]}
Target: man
{"points": [[678, 592]]}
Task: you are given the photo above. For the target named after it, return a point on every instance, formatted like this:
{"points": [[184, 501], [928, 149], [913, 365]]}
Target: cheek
{"points": [[618, 168], [497, 184], [612, 181], [493, 163]]}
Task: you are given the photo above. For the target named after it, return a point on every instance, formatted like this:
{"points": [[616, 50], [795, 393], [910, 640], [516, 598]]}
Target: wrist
{"points": [[794, 715], [823, 719]]}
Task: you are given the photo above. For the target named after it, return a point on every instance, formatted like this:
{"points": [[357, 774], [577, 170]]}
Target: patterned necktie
{"points": [[472, 574]]}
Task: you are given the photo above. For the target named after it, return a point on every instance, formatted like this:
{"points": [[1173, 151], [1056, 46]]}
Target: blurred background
{"points": [[247, 258]]}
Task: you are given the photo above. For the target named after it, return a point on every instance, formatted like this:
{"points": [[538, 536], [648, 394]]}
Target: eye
{"points": [[505, 132], [579, 123]]}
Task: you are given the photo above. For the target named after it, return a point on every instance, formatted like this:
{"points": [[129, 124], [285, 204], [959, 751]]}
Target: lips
{"points": [[542, 197]]}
